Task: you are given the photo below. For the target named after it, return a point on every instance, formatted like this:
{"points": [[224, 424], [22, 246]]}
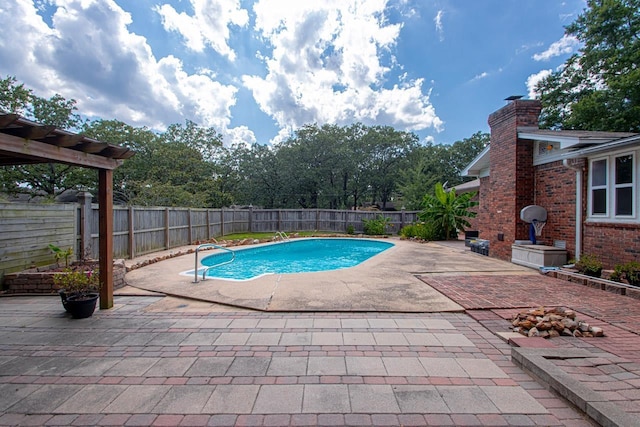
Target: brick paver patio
{"points": [[613, 368], [134, 366]]}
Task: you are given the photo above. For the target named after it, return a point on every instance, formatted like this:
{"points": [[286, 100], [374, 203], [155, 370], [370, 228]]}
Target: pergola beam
{"points": [[43, 152]]}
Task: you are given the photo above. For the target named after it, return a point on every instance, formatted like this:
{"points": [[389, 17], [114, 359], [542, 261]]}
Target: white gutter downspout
{"points": [[578, 169]]}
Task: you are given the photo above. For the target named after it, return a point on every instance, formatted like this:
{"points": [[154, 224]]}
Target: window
{"points": [[599, 187], [624, 185], [613, 184]]}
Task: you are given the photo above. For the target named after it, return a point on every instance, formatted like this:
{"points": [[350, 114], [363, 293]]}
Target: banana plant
{"points": [[448, 211]]}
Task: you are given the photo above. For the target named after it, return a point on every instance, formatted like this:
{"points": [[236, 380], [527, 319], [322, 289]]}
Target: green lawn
{"points": [[240, 236]]}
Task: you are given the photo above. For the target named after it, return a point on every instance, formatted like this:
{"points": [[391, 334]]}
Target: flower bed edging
{"points": [[597, 283], [37, 281]]}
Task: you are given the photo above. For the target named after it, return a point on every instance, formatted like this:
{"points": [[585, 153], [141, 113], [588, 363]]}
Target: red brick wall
{"points": [[482, 219], [556, 192], [511, 178], [515, 183], [612, 243]]}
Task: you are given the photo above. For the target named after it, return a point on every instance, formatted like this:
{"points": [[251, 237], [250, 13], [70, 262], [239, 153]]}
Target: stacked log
{"points": [[549, 322]]}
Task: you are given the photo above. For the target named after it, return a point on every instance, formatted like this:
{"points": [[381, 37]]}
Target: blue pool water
{"points": [[295, 256]]}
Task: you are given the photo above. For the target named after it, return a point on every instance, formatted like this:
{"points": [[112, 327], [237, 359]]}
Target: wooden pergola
{"points": [[23, 141]]}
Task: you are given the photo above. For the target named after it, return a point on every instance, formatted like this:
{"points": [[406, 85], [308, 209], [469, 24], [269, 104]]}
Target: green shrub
{"points": [[377, 226], [420, 230], [629, 272], [351, 229], [589, 265]]}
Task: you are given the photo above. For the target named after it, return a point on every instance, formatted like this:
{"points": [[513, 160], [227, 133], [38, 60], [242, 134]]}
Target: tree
{"points": [[430, 163], [128, 178], [598, 88], [14, 98], [259, 175], [49, 179], [311, 163], [389, 150], [426, 165], [357, 171], [447, 211]]}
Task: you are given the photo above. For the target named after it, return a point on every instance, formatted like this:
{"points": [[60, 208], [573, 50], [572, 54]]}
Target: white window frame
{"points": [[611, 187], [632, 185], [599, 187]]}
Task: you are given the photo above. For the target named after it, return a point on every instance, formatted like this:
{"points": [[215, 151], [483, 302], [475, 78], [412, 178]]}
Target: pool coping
{"points": [[386, 282]]}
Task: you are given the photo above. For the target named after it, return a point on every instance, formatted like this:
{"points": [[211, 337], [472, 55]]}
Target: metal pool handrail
{"points": [[283, 236], [211, 245]]}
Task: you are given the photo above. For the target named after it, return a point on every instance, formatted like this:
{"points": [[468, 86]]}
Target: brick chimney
{"points": [[511, 176]]}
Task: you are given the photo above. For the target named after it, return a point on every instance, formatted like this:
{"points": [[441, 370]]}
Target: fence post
{"points": [[344, 215], [189, 226], [250, 218], [402, 218], [132, 236], [221, 221], [166, 228], [84, 198], [208, 226]]}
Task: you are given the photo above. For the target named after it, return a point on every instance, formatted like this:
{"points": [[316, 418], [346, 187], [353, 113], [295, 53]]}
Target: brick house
{"points": [[589, 183]]}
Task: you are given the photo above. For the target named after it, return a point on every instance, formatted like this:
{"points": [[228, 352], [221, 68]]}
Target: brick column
{"points": [[511, 176]]}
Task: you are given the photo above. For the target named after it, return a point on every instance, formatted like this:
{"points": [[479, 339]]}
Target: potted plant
{"points": [[78, 290]]}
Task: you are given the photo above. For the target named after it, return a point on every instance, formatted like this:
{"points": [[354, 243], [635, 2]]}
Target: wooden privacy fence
{"points": [[26, 230], [142, 230]]}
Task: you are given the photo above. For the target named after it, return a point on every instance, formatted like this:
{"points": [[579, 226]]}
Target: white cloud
{"points": [[240, 135], [533, 80], [327, 66], [528, 46], [324, 62], [89, 54], [480, 76], [439, 26], [209, 25], [565, 45]]}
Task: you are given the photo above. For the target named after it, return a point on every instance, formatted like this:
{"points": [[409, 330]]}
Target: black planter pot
{"points": [[63, 297], [81, 306]]}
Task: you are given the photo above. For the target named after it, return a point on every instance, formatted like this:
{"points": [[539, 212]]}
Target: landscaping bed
{"points": [[40, 280]]}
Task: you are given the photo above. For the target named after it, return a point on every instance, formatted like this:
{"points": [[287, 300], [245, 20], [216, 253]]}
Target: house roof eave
{"points": [[479, 164], [571, 138], [603, 148]]}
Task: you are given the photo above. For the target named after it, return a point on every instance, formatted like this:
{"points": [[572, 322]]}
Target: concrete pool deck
{"points": [[386, 282], [165, 361]]}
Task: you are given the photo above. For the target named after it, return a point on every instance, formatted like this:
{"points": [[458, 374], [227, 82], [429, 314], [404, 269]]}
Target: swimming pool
{"points": [[294, 256]]}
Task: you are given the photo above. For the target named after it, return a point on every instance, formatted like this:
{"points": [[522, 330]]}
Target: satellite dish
{"points": [[533, 212]]}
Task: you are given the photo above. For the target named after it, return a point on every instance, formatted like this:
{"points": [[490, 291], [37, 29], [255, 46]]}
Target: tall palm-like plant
{"points": [[447, 211]]}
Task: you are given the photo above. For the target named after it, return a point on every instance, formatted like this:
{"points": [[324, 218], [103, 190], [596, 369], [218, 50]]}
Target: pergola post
{"points": [[105, 200]]}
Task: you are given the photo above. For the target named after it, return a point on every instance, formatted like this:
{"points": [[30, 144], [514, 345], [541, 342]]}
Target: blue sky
{"points": [[258, 69]]}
